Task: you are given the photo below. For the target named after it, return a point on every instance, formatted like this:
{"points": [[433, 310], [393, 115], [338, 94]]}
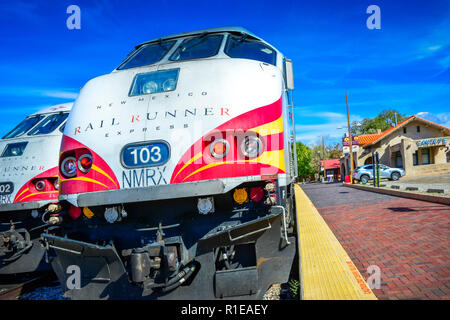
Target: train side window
{"points": [[203, 46], [14, 149], [147, 54], [246, 48], [49, 124], [24, 126]]}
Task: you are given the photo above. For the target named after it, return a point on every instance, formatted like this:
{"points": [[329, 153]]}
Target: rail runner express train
{"points": [[178, 167], [29, 188]]}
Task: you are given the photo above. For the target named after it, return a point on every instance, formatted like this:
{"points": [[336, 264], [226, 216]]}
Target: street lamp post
{"points": [[350, 142]]}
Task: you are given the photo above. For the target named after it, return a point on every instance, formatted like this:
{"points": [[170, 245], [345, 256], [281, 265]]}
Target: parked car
{"points": [[365, 173]]}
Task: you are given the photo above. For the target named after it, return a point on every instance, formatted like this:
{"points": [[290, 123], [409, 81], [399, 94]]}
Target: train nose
{"points": [[83, 170]]}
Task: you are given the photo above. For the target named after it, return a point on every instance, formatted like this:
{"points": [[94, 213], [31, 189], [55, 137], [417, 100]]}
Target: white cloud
{"points": [[39, 92], [331, 125], [60, 94], [442, 118]]}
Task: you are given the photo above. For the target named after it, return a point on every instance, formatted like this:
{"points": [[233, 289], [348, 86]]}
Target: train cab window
{"points": [[147, 54], [24, 126], [14, 149], [62, 127], [246, 48], [49, 124], [203, 46]]}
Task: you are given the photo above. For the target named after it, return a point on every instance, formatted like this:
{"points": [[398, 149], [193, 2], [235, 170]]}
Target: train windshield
{"points": [[49, 124], [148, 54], [24, 126], [203, 46], [243, 47]]}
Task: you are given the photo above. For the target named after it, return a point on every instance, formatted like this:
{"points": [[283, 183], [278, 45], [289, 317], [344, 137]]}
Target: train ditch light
{"points": [[205, 205], [114, 214]]}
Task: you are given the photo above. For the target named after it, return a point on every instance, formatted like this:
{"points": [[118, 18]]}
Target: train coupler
{"points": [[154, 264], [13, 243]]}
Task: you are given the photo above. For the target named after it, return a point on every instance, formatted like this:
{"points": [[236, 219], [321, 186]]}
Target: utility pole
{"points": [[350, 142], [323, 148]]}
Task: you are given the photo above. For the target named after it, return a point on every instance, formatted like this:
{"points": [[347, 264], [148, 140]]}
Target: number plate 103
{"points": [[145, 154]]}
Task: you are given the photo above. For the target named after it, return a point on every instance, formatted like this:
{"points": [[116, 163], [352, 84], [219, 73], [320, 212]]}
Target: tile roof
{"points": [[368, 139], [330, 164]]}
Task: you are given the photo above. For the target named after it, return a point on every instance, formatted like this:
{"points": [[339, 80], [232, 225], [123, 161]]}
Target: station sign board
{"points": [[346, 149], [345, 141], [431, 142]]}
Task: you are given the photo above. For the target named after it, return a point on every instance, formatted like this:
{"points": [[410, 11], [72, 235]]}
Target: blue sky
{"points": [[404, 65]]}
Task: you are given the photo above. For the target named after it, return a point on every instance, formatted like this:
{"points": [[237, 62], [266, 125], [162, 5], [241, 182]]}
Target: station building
{"points": [[330, 169], [418, 146]]}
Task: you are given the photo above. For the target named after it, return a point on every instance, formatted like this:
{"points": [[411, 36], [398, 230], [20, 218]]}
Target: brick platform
{"points": [[408, 239]]}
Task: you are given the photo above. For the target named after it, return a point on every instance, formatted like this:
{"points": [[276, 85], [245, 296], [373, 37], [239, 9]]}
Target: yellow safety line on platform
{"points": [[327, 272]]}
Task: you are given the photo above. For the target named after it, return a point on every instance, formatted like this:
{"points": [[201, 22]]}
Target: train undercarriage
{"points": [[21, 247], [168, 250]]}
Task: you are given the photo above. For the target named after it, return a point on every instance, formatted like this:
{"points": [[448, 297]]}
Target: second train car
{"points": [[178, 167], [29, 189]]}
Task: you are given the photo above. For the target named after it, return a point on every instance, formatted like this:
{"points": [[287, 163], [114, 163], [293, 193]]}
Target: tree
{"points": [[333, 152], [304, 161], [385, 120]]}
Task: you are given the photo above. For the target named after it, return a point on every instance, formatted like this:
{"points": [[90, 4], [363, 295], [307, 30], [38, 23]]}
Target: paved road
{"points": [[407, 239]]}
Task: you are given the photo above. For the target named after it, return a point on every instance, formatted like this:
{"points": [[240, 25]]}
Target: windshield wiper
{"points": [[240, 40], [202, 37]]}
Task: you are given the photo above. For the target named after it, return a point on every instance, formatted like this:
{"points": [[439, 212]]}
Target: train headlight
{"points": [[251, 146], [169, 85], [69, 167], [150, 87], [219, 148], [85, 163], [40, 185], [205, 205], [154, 82], [56, 184]]}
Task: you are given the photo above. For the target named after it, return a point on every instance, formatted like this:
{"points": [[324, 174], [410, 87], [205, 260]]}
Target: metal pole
{"points": [[350, 143]]}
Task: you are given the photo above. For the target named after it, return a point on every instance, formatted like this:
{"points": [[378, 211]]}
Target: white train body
{"points": [[167, 162], [28, 185], [30, 157], [105, 118]]}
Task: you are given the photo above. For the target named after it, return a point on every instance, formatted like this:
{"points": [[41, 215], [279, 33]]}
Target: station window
{"points": [[49, 124], [416, 158], [425, 156], [147, 55], [404, 129], [24, 126], [243, 47], [418, 128], [203, 46]]}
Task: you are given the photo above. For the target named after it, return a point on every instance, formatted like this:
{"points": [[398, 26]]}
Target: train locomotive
{"points": [[29, 189], [178, 170]]}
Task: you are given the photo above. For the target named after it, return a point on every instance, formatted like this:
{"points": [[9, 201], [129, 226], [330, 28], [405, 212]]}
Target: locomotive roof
{"points": [[56, 108], [239, 30]]}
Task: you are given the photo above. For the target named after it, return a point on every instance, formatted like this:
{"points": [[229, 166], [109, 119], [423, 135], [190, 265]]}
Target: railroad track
{"points": [[12, 291]]}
